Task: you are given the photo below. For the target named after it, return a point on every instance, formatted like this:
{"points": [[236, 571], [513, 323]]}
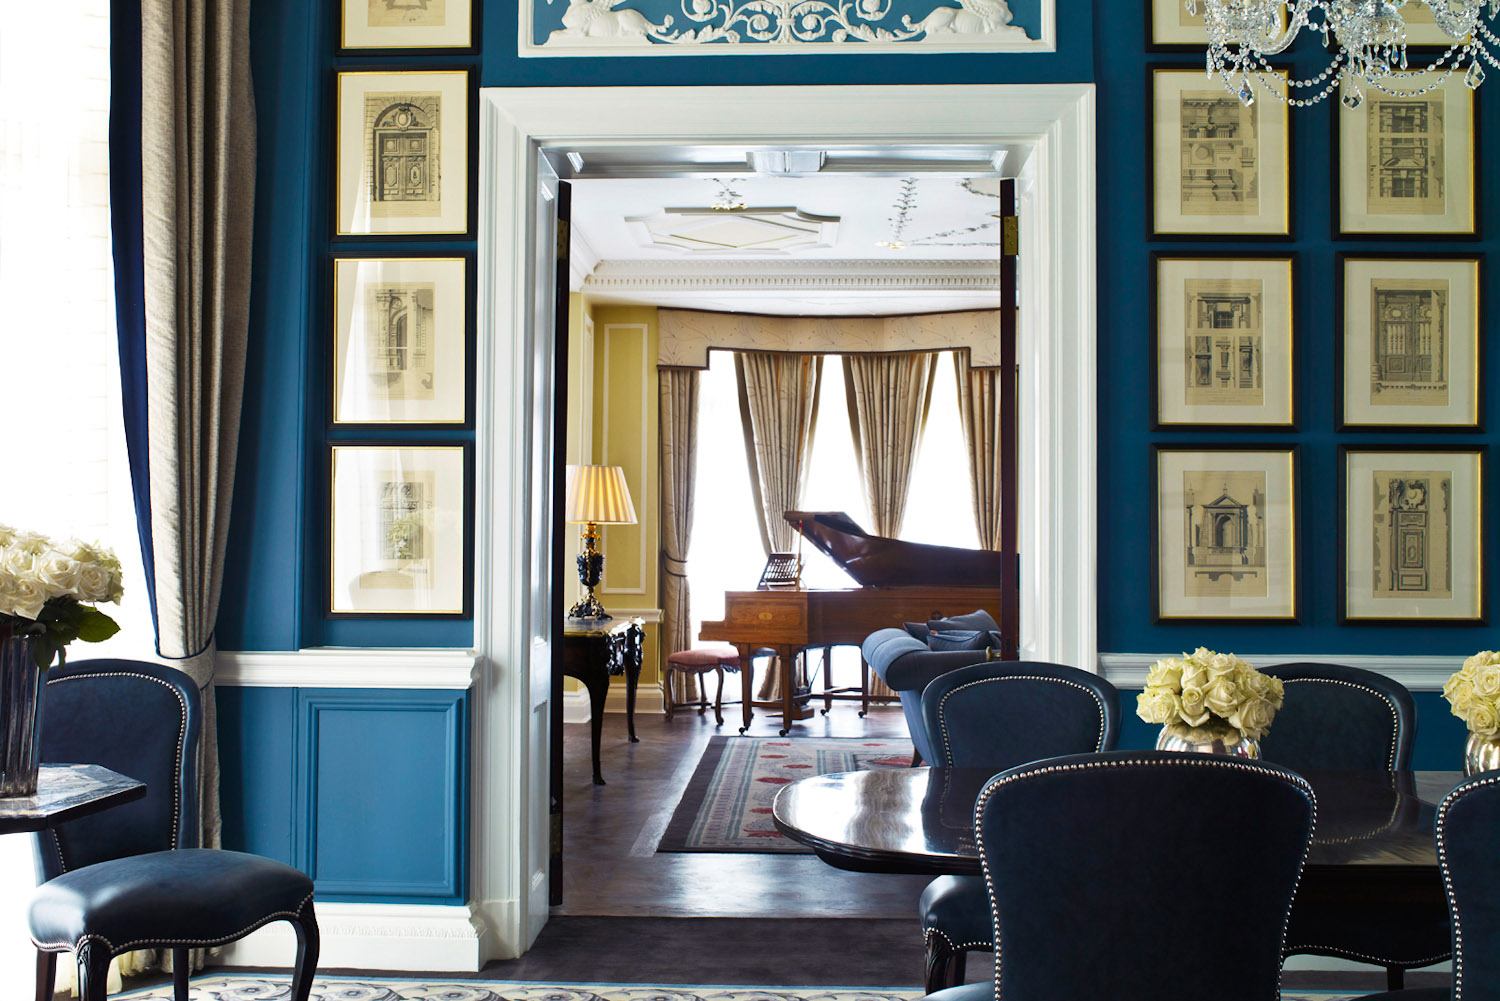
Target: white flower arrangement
{"points": [[1474, 693], [47, 588], [1210, 690]]}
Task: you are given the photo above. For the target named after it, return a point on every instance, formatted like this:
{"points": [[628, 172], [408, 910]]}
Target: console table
{"points": [[64, 793]]}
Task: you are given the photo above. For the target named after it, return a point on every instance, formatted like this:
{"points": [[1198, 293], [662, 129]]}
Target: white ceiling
{"points": [[886, 244]]}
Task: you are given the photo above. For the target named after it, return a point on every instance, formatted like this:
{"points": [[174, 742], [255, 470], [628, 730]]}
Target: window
{"points": [[59, 336]]}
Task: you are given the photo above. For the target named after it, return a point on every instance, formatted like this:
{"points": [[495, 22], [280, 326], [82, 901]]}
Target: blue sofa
{"points": [[906, 665]]}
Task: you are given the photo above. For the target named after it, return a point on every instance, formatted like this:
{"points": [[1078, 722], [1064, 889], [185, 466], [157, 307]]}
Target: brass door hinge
{"points": [[1010, 235], [562, 239]]}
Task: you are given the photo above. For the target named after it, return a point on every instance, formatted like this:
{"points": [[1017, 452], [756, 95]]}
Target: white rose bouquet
{"points": [[47, 590], [1474, 693], [1210, 690]]}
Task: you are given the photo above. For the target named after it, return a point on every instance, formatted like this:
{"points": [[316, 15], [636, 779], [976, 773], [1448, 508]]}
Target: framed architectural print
{"points": [[404, 153], [1222, 340], [407, 25], [1219, 168], [1170, 26], [1409, 341], [1225, 533], [403, 330], [1406, 164], [399, 527], [1412, 541]]}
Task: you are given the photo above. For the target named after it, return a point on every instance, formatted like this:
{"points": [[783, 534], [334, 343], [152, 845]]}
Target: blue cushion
{"points": [[977, 619], [958, 639], [917, 630], [183, 897]]}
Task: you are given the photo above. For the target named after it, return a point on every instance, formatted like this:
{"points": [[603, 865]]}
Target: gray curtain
{"points": [[979, 412], [779, 410], [678, 442], [198, 170], [889, 396]]}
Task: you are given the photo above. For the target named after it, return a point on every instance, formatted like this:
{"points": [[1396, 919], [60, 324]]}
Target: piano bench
{"points": [[717, 658]]}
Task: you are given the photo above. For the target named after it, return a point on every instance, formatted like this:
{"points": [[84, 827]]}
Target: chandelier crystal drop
{"points": [[1367, 39]]}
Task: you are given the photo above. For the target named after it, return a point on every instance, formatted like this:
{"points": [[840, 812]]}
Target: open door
{"points": [[562, 205], [1010, 586]]}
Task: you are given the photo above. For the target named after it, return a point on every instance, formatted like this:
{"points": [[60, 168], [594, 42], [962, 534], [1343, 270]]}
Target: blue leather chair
{"points": [[1337, 717], [1095, 865], [907, 667], [133, 877], [999, 715], [1467, 821]]}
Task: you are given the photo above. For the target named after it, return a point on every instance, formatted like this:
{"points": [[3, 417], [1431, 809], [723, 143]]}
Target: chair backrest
{"points": [[1340, 717], [1000, 714], [1138, 875], [1468, 821], [141, 720]]}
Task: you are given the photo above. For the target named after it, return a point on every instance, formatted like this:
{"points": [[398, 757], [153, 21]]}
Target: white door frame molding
{"points": [[1056, 354]]}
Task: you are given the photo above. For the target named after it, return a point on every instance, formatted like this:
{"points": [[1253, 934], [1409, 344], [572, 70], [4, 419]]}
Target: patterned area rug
{"points": [[727, 804], [270, 988]]}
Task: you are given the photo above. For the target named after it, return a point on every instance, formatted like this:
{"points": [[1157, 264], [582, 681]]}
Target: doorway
{"points": [[526, 135]]}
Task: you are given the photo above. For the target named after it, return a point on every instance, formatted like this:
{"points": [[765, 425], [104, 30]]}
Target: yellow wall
{"points": [[614, 423]]}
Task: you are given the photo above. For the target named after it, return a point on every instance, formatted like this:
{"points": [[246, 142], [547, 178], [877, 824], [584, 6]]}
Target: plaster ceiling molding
{"points": [[685, 336], [743, 27], [720, 231]]}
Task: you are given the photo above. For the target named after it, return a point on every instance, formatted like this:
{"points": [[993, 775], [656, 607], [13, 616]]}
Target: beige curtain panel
{"points": [[678, 443], [198, 170], [779, 411], [889, 396], [979, 412]]}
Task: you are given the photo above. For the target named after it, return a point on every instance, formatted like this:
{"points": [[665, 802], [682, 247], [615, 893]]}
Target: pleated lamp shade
{"points": [[598, 494]]}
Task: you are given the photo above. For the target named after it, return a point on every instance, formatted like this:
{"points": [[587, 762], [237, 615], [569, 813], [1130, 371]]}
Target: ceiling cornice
{"points": [[822, 276]]}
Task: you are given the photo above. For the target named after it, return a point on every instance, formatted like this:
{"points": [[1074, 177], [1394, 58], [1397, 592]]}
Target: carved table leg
{"points": [[632, 679], [598, 685]]}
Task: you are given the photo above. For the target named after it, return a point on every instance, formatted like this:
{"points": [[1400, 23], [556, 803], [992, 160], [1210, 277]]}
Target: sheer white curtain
{"points": [[67, 472]]}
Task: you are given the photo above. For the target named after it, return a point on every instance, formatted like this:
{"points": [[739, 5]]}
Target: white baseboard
{"points": [[1418, 674], [410, 937], [346, 667]]}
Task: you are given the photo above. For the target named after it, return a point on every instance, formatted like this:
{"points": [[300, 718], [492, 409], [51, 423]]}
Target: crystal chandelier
{"points": [[1370, 51]]}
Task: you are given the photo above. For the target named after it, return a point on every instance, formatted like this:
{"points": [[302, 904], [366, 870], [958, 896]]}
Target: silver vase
{"points": [[1207, 740], [1481, 754], [20, 703]]}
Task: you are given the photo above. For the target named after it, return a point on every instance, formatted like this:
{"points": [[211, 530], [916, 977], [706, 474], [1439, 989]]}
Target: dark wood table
{"points": [[1374, 836], [64, 793]]}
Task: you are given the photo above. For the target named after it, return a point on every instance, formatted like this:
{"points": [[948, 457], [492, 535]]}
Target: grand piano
{"points": [[899, 582]]}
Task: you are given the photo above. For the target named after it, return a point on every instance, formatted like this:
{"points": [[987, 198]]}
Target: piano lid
{"points": [[875, 561]]}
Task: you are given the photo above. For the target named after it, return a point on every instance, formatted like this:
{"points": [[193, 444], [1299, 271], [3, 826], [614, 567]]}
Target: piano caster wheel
{"points": [[823, 712], [861, 714], [785, 732], [743, 729]]}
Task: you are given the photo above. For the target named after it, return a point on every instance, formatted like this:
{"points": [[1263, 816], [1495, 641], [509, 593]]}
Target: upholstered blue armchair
{"points": [[999, 715], [133, 877], [906, 664], [1085, 858], [1338, 717]]}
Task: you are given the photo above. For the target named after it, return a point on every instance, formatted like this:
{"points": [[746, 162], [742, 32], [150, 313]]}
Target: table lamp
{"points": [[596, 496]]}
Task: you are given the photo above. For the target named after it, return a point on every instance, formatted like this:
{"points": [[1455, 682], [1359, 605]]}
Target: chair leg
{"points": [[93, 971], [182, 969], [945, 967], [671, 695], [46, 975], [719, 698], [1395, 978], [306, 925]]}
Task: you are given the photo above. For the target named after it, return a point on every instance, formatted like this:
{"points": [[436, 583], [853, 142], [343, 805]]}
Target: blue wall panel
{"points": [[257, 773], [1126, 479], [383, 806]]}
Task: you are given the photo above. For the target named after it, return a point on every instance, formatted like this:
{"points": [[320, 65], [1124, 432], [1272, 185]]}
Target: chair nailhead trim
{"points": [[1098, 703], [176, 943], [930, 933], [176, 761], [1442, 850], [1390, 759], [1188, 761], [1338, 950]]}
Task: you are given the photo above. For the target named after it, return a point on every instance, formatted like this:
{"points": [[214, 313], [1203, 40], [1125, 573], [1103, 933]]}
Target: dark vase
{"points": [[20, 705]]}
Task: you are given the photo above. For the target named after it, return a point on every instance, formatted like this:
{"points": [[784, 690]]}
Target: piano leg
{"points": [[786, 658], [747, 683]]}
